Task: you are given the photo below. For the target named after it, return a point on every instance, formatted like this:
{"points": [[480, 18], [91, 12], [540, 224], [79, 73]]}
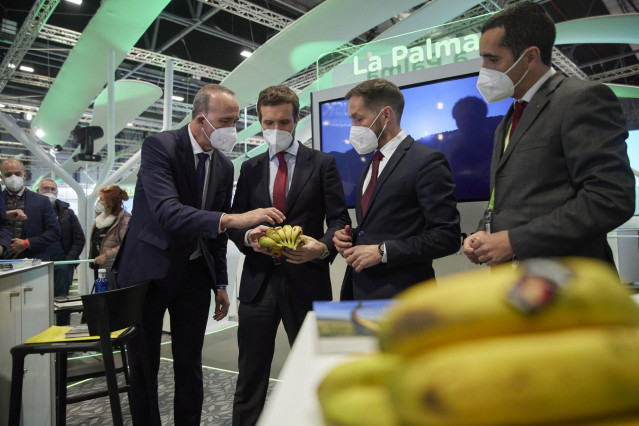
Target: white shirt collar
{"points": [[292, 149], [535, 87], [196, 146], [390, 147]]}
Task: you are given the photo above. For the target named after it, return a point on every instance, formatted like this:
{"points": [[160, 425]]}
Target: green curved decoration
{"points": [[116, 26], [622, 29]]}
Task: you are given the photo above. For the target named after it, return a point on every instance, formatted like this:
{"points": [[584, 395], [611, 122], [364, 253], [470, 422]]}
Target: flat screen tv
{"points": [[443, 110]]}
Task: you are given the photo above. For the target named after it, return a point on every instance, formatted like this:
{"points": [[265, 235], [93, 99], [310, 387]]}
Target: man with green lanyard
{"points": [[560, 174]]}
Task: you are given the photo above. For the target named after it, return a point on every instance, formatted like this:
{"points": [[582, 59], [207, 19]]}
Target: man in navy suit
{"points": [[176, 239], [305, 185], [406, 208], [35, 226]]}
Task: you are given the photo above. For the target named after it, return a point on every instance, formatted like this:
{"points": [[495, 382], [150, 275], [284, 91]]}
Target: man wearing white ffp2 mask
{"points": [[304, 184], [557, 154], [223, 138], [495, 85], [363, 138], [406, 210]]}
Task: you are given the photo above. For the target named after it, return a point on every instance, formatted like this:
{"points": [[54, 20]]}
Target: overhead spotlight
{"points": [[177, 98], [11, 65], [129, 124], [28, 116], [26, 68], [2, 105], [246, 53], [39, 132], [57, 148], [78, 2]]}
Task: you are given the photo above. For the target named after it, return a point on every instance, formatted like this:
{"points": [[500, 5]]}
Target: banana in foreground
{"points": [[543, 378], [539, 295]]}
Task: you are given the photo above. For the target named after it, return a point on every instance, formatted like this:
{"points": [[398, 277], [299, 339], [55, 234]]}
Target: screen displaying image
{"points": [[447, 115]]}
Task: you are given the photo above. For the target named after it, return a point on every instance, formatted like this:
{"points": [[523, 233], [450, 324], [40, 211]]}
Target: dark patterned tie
{"points": [[201, 175], [366, 197], [279, 186], [519, 110]]}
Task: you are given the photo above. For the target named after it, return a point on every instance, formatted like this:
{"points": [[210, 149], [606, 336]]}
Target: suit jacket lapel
{"points": [[360, 190], [532, 111], [262, 179], [188, 161], [388, 169], [301, 173]]}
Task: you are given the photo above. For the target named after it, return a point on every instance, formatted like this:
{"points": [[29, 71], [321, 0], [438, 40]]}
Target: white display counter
{"points": [[26, 309], [294, 400]]}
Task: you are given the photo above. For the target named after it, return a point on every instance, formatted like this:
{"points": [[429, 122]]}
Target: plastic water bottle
{"points": [[101, 283]]}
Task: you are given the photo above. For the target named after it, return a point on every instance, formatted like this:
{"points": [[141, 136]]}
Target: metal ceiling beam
{"points": [[70, 38], [38, 15], [616, 74], [252, 12]]}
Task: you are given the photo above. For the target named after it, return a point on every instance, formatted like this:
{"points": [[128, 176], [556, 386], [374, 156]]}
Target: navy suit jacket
{"points": [[316, 194], [414, 212], [5, 227], [41, 227], [166, 226]]}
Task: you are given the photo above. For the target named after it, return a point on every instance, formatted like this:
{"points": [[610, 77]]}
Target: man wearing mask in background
{"points": [[176, 240], [406, 208], [305, 185], [560, 175], [72, 238], [36, 227]]}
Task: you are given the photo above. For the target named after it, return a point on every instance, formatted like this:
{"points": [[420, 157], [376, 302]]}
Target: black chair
{"points": [[105, 312]]}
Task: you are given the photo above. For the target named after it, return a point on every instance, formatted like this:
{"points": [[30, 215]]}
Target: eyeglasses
{"points": [[49, 188]]}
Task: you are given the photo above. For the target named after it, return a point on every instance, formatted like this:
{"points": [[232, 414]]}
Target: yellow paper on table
{"points": [[57, 333]]}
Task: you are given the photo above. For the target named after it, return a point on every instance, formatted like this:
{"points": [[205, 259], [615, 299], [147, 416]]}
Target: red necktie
{"points": [[519, 110], [279, 186], [366, 197]]}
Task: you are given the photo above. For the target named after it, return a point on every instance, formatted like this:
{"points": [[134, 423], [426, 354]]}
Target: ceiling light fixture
{"points": [[78, 2], [26, 68], [39, 132], [177, 98], [11, 65], [28, 116], [246, 53]]}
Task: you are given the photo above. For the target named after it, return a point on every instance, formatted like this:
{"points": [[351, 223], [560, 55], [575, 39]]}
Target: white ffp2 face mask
{"points": [[14, 183], [277, 140], [222, 139], [363, 139], [496, 86], [52, 197]]}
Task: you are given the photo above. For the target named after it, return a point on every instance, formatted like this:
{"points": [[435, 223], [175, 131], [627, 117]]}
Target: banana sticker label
{"points": [[540, 282]]}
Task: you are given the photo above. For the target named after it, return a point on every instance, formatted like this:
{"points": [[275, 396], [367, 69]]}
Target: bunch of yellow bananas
{"points": [[285, 237], [550, 342]]}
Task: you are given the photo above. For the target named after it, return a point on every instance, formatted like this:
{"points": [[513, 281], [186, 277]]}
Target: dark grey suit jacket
{"points": [[564, 180], [414, 212]]}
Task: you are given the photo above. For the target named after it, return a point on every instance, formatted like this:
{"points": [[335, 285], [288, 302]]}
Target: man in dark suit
{"points": [[5, 229], [406, 208], [34, 225], [305, 185], [176, 240], [560, 175]]}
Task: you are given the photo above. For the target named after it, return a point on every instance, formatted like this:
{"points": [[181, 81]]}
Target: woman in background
{"points": [[110, 225]]}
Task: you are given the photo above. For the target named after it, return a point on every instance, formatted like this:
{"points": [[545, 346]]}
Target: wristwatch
{"points": [[326, 252], [381, 248]]}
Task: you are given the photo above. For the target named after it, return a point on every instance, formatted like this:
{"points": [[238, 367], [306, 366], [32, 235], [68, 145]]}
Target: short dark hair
{"points": [[378, 93], [278, 95], [201, 101], [525, 24]]}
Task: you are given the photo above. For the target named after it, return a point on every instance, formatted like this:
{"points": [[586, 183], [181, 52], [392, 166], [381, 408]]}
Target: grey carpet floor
{"points": [[219, 387]]}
